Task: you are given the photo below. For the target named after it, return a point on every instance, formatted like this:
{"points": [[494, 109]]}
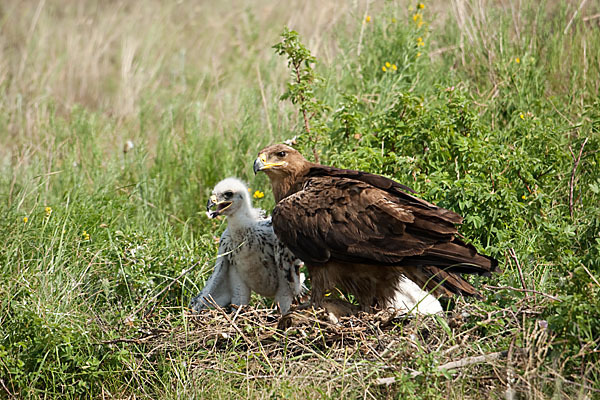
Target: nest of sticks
{"points": [[392, 344]]}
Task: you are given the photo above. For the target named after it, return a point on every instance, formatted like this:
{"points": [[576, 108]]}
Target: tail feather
{"points": [[454, 256], [441, 282], [440, 267]]}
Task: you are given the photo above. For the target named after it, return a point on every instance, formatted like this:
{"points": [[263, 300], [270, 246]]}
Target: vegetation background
{"points": [[117, 118]]}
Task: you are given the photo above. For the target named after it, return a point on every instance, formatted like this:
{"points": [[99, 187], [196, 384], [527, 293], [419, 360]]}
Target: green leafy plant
{"points": [[305, 81]]}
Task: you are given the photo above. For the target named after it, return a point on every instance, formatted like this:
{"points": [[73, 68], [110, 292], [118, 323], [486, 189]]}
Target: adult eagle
{"points": [[364, 232]]}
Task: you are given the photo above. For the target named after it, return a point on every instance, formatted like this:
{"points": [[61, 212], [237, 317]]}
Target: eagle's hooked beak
{"points": [[261, 164], [220, 206]]}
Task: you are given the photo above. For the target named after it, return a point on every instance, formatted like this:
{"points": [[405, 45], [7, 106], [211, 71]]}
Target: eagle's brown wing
{"points": [[400, 192], [349, 220]]}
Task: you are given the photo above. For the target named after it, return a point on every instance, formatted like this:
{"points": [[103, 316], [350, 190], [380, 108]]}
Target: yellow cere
{"points": [[258, 194]]}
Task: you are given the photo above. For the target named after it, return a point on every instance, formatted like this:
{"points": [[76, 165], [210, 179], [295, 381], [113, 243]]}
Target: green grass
{"points": [[196, 87]]}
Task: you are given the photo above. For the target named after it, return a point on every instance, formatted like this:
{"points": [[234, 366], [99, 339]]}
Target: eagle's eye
{"points": [[228, 194], [281, 154]]}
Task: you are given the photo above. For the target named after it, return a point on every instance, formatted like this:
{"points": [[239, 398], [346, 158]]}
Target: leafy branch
{"points": [[301, 90]]}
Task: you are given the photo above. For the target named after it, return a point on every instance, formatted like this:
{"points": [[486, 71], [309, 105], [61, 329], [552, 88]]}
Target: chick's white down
{"points": [[250, 257]]}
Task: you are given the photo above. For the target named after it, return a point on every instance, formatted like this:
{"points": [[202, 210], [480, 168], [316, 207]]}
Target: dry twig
{"points": [[512, 253], [523, 291], [572, 182], [573, 17], [463, 362], [10, 395]]}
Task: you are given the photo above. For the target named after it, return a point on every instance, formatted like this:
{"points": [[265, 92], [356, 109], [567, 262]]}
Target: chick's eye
{"points": [[228, 195], [281, 154]]}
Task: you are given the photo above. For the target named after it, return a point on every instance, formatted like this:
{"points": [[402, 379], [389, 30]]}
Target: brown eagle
{"points": [[364, 233]]}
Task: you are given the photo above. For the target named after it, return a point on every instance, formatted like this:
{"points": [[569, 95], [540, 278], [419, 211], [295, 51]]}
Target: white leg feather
{"points": [[411, 298], [217, 290], [239, 290]]}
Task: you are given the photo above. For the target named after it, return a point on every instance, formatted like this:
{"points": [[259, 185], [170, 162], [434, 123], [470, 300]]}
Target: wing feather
{"points": [[218, 288], [388, 185], [343, 219], [350, 220]]}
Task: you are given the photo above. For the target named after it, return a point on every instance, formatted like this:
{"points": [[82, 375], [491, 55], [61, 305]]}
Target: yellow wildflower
{"points": [[394, 67], [417, 17], [48, 211], [524, 197], [387, 64], [258, 194], [25, 220], [418, 54], [522, 116], [393, 20], [421, 6], [368, 19], [85, 235], [249, 190], [383, 68], [420, 24], [517, 60]]}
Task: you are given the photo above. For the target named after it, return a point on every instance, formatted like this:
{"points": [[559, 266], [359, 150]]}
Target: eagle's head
{"points": [[278, 160], [227, 198]]}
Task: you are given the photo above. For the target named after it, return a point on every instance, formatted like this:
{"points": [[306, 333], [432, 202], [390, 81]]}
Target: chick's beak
{"points": [[212, 201], [219, 206]]}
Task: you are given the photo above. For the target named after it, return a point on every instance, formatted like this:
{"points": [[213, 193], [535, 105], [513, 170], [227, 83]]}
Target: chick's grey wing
{"points": [[218, 288]]}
